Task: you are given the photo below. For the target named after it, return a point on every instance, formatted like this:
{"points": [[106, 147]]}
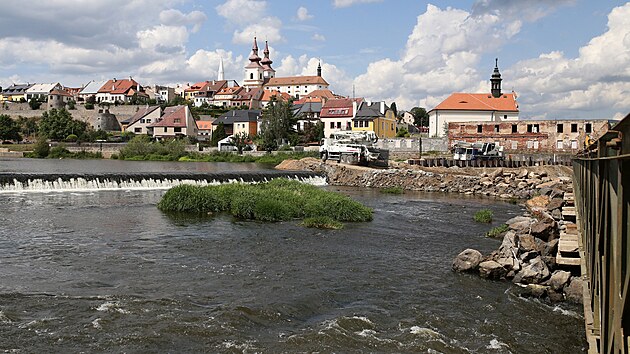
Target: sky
{"points": [[565, 59]]}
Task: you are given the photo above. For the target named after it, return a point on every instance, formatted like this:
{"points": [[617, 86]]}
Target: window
{"points": [[178, 130], [348, 126], [573, 144], [165, 129], [529, 130], [514, 128], [560, 128], [338, 125], [251, 76], [496, 128], [574, 128], [530, 144], [587, 128], [535, 129], [332, 125], [559, 145], [536, 145], [260, 76], [514, 145], [177, 120], [356, 124], [505, 116], [479, 128], [137, 130]]}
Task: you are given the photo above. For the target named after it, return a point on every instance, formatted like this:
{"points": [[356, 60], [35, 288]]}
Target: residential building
{"points": [[268, 95], [337, 114], [226, 97], [308, 113], [207, 92], [474, 107], [160, 93], [239, 121], [321, 96], [204, 130], [139, 123], [531, 136], [58, 98], [121, 91], [249, 97], [40, 92], [175, 122], [15, 92], [376, 117], [90, 90]]}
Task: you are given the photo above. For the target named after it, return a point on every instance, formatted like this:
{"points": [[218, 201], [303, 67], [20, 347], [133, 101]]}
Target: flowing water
{"points": [[105, 271]]}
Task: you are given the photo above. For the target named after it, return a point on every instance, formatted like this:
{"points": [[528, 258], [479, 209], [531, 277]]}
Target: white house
{"points": [[474, 107], [139, 123], [176, 121], [41, 91]]}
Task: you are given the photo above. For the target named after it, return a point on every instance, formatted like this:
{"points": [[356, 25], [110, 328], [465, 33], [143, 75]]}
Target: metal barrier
{"points": [[444, 162], [602, 195]]}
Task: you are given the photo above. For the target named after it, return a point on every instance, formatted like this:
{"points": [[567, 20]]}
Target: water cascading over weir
{"points": [[44, 182]]}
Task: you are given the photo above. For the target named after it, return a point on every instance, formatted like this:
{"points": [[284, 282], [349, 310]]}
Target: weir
{"points": [[601, 183], [46, 182]]}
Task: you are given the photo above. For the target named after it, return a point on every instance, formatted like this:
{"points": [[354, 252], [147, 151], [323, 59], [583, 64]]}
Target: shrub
{"points": [[483, 215], [322, 222], [498, 231], [114, 157], [89, 105], [393, 190], [41, 148], [59, 151], [72, 138]]}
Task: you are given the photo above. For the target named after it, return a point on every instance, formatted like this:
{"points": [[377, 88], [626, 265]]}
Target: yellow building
{"points": [[15, 93], [376, 117]]}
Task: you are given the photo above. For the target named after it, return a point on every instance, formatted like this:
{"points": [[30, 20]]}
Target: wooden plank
{"points": [[569, 237], [568, 212], [568, 246], [567, 261]]}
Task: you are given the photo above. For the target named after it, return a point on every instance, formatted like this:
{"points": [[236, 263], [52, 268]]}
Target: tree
{"points": [[28, 126], [278, 119], [34, 104], [218, 134], [313, 132], [240, 141], [9, 128], [58, 124], [420, 116], [394, 109]]}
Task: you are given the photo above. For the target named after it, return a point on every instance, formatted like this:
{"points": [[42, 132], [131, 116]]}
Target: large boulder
{"points": [[528, 243], [555, 203], [534, 290], [551, 248], [574, 291], [544, 229], [508, 247], [559, 279], [491, 270], [467, 261], [533, 273], [496, 173], [520, 224]]}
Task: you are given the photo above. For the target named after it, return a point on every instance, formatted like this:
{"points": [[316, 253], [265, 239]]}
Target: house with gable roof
{"points": [[474, 107], [175, 122], [121, 91], [239, 121], [140, 121], [41, 91], [376, 117], [15, 92], [337, 114]]}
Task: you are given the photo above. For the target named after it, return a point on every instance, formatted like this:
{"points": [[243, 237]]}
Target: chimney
{"points": [[114, 80], [382, 107]]}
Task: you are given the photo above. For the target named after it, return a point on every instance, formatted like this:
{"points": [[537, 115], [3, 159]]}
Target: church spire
{"points": [[221, 72], [254, 58], [266, 62], [319, 69], [495, 80]]}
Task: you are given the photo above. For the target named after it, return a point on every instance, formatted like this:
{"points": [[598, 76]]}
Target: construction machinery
{"points": [[352, 147], [477, 151]]}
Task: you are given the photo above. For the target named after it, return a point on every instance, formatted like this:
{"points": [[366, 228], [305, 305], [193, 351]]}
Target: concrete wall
{"points": [[411, 145], [122, 112]]}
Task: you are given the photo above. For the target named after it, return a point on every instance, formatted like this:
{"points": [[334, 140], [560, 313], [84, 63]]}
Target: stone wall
{"points": [[411, 145], [122, 112]]}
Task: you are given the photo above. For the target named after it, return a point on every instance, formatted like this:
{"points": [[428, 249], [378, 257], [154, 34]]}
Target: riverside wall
{"points": [[122, 112]]}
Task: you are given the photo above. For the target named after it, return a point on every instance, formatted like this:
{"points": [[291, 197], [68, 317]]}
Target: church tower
{"points": [[221, 72], [495, 81], [253, 70], [319, 69], [268, 71]]}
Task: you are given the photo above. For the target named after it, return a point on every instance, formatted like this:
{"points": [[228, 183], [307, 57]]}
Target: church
{"points": [[259, 73], [474, 107]]}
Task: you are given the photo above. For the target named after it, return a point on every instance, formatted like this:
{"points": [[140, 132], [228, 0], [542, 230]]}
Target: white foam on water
{"points": [[496, 344], [366, 333], [97, 323], [424, 332], [4, 318], [566, 312], [110, 306]]}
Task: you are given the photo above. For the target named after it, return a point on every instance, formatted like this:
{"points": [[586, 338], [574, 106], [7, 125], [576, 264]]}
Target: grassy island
{"points": [[278, 200]]}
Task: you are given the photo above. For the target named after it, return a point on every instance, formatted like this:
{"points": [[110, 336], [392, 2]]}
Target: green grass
{"points": [[393, 190], [278, 200], [483, 215], [322, 222], [497, 231], [19, 147], [233, 157]]}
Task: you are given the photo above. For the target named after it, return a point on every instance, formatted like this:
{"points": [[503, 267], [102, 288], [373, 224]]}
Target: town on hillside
{"points": [[216, 110]]}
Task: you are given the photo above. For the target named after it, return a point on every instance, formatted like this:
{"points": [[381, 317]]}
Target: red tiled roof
{"points": [[204, 125], [60, 93], [339, 107], [172, 117], [268, 94], [229, 90], [118, 87], [479, 102], [318, 96], [296, 80]]}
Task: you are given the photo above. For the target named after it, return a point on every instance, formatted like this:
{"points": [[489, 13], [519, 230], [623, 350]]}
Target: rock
{"points": [[556, 214], [523, 173], [508, 263], [491, 270], [517, 219], [508, 245], [527, 243], [555, 203], [574, 291], [540, 201], [533, 273], [522, 185], [520, 224], [506, 196], [467, 261], [548, 185], [496, 173], [534, 290], [543, 230], [555, 296], [550, 261], [559, 279], [533, 175], [551, 248]]}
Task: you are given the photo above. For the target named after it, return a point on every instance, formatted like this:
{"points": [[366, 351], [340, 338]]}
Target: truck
{"points": [[352, 147], [477, 151]]}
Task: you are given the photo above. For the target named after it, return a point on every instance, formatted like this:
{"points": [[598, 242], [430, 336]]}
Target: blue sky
{"points": [[564, 58]]}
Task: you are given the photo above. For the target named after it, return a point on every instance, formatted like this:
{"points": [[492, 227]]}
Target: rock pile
{"points": [[527, 255]]}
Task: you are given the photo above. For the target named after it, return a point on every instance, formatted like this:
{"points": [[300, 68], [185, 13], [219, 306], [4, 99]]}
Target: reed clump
{"points": [[280, 199]]}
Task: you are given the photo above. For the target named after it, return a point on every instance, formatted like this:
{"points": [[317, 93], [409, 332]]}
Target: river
{"points": [[105, 271]]}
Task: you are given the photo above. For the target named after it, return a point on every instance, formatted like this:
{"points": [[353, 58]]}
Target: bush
{"points": [[278, 200], [393, 190], [322, 222], [89, 105], [483, 215], [72, 138], [498, 231], [41, 149], [59, 151], [114, 157]]}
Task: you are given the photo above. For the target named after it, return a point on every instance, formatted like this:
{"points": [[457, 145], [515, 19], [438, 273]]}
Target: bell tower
{"points": [[495, 80], [253, 70]]}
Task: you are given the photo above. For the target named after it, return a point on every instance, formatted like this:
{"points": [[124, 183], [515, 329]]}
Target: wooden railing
{"points": [[602, 195]]}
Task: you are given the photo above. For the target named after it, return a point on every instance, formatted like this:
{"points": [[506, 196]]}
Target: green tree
{"points": [[278, 119], [58, 124], [41, 148], [34, 103], [9, 128], [240, 141], [420, 116], [394, 109], [218, 134], [28, 126], [313, 132]]}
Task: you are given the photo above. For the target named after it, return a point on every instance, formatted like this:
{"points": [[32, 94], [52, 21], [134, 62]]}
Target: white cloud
{"points": [[318, 37], [172, 17], [268, 28], [346, 3], [530, 10], [242, 11], [303, 15], [166, 39]]}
